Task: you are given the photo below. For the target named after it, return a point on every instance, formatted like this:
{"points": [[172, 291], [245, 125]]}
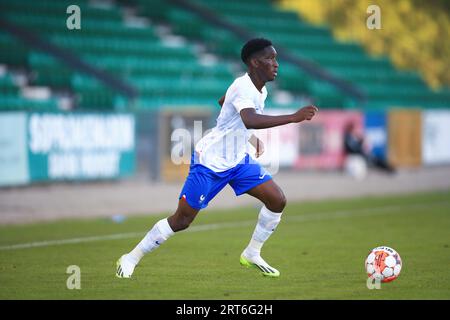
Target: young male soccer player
{"points": [[221, 157]]}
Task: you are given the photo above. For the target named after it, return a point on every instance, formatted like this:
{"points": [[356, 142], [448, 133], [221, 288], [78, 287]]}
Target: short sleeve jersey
{"points": [[226, 144]]}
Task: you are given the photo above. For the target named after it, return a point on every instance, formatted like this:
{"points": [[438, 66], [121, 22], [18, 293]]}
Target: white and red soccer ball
{"points": [[383, 264]]}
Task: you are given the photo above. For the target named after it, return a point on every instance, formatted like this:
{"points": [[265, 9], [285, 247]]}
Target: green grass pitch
{"points": [[319, 248]]}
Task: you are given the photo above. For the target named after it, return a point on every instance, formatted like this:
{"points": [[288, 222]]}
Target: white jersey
{"points": [[227, 143]]}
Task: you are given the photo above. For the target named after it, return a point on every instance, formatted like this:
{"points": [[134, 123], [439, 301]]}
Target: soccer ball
{"points": [[384, 264]]}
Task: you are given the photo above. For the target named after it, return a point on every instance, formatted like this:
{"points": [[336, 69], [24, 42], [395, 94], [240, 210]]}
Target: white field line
{"points": [[207, 227]]}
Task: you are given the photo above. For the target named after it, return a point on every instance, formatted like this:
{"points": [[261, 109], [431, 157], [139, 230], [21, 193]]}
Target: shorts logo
{"points": [[263, 175], [202, 198]]}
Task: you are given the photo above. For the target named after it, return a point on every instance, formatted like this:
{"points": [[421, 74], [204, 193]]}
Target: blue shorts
{"points": [[202, 184]]}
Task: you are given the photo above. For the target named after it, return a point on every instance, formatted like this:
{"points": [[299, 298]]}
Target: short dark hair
{"points": [[252, 46]]}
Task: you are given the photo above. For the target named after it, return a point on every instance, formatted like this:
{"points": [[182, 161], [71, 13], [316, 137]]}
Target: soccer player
{"points": [[222, 157]]}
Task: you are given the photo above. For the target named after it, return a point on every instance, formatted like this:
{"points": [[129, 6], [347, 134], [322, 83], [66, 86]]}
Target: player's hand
{"points": [[305, 113], [258, 145], [259, 148]]}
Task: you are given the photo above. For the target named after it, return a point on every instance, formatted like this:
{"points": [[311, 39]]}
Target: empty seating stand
{"points": [[169, 73], [164, 74], [384, 85]]}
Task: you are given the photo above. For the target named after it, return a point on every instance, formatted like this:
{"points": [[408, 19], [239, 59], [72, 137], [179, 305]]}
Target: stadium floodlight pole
{"points": [[68, 58], [242, 33]]}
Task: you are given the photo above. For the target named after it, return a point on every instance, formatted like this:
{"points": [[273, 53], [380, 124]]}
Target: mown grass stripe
{"points": [[214, 226]]}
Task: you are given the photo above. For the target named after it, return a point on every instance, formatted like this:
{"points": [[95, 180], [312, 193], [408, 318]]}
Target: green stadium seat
{"points": [[11, 102], [7, 86]]}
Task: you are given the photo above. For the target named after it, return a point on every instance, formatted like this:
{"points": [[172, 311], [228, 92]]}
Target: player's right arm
{"points": [[253, 120]]}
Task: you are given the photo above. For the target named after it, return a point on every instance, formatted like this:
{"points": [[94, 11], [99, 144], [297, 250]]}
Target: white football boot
{"points": [[125, 268]]}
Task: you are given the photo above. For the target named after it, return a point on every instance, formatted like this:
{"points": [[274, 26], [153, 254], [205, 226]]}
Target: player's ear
{"points": [[254, 62]]}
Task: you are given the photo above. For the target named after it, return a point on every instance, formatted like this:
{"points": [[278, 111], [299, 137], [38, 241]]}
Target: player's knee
{"points": [[282, 201], [278, 203]]}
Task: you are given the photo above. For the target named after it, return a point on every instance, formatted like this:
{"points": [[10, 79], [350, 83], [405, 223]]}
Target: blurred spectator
{"points": [[359, 156]]}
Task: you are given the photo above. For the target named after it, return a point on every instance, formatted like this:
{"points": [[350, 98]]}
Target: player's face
{"points": [[268, 64]]}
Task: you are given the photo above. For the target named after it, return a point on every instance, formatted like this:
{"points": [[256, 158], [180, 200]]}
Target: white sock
{"points": [[160, 232], [267, 223]]}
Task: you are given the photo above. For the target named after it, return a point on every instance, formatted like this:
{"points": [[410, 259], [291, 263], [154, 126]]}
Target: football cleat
{"points": [[259, 263], [124, 267]]}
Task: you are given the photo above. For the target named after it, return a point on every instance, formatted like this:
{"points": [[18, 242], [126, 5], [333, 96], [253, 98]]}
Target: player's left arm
{"points": [[257, 144]]}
